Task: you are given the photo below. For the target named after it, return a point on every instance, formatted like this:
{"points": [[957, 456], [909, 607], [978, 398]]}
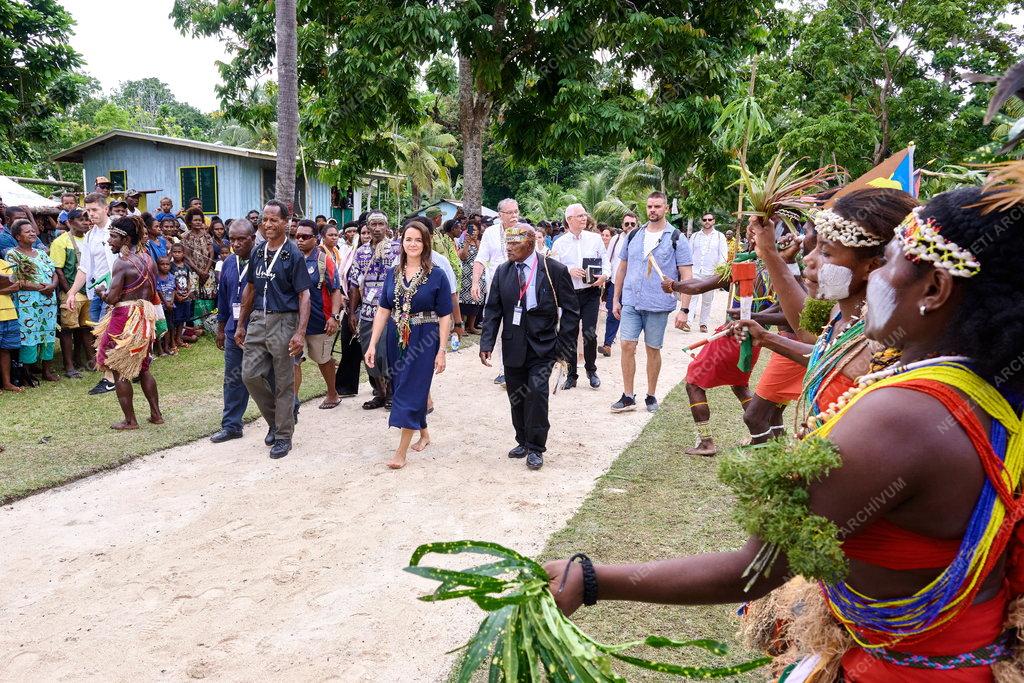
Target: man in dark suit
{"points": [[526, 294]]}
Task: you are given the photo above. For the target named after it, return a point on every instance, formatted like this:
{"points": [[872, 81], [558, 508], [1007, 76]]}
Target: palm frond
{"points": [[525, 637]]}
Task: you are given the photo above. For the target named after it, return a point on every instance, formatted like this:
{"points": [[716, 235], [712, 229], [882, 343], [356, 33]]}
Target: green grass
{"points": [[656, 503], [57, 433]]}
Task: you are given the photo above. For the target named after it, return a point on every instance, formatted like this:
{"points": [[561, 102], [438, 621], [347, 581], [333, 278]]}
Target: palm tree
{"points": [[547, 202], [287, 100], [594, 189], [424, 156]]}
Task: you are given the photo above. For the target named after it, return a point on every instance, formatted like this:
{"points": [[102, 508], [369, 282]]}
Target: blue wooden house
{"points": [[230, 181]]}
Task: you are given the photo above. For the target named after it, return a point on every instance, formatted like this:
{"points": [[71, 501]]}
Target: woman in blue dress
{"points": [[415, 313]]}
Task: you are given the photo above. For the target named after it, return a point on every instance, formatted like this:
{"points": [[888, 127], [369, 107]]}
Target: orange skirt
{"points": [[781, 380]]}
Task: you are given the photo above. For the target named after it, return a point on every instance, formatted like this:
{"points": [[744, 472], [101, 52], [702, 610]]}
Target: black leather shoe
{"points": [[224, 435], [517, 452], [570, 382], [271, 437], [534, 461], [280, 449], [595, 381]]}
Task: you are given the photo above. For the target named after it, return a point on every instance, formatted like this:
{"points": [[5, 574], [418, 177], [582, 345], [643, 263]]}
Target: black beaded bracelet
{"points": [[589, 578]]}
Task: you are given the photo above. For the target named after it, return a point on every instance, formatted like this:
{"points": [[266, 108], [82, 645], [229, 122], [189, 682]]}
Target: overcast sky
{"points": [[124, 40]]}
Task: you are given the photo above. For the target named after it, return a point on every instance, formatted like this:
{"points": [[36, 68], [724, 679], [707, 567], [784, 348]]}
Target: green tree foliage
{"points": [[554, 80], [861, 79], [38, 75], [425, 155]]}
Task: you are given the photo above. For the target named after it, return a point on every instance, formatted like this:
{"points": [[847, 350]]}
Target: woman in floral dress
{"points": [[35, 300]]}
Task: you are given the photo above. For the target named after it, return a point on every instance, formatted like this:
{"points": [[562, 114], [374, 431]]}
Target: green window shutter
{"points": [[189, 186], [208, 188]]}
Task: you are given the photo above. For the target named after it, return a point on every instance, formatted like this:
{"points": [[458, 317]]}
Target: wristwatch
{"points": [[336, 317], [458, 324], [685, 310]]}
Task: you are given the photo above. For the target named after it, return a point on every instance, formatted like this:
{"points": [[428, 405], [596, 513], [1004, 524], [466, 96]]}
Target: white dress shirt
{"points": [[708, 250], [529, 275], [570, 250], [614, 247], [491, 251]]}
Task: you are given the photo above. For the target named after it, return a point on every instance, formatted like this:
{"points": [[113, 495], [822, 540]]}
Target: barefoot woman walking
{"points": [[416, 314]]}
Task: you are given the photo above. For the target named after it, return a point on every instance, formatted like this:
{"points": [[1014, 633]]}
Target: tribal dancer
{"points": [[128, 330], [848, 244], [716, 364], [935, 567]]}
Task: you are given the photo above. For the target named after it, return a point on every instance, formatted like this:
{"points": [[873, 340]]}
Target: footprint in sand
{"points": [[200, 669], [21, 662]]}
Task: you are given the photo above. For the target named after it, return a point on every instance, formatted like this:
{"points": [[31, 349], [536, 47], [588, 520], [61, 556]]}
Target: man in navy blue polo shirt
{"points": [[272, 325], [233, 275]]}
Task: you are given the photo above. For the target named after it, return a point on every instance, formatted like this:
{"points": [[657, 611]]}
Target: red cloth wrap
{"points": [[715, 365], [118, 318]]}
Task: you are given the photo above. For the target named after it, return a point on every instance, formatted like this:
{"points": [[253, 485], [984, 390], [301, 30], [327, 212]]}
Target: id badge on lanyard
{"points": [[517, 312], [236, 309]]}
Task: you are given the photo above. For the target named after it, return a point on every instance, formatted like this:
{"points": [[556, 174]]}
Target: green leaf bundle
{"points": [[815, 315], [771, 482], [784, 192], [525, 637]]}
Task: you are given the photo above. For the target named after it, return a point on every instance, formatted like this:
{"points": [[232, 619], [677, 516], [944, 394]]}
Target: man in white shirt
{"points": [[709, 249], [611, 323], [492, 253], [94, 270], [583, 253]]}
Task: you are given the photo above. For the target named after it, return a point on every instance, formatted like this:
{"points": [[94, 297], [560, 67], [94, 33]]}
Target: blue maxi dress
{"points": [[412, 368]]}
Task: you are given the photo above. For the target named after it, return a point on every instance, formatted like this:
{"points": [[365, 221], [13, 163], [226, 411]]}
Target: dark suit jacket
{"points": [[540, 328]]}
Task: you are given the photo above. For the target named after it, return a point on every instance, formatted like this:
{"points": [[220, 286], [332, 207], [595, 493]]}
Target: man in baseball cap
{"points": [[131, 198], [103, 185]]}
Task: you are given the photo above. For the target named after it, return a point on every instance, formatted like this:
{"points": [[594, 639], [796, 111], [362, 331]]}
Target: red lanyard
{"points": [[526, 285]]}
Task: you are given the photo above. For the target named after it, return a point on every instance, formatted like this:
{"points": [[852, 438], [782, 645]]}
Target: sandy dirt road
{"points": [[213, 561]]}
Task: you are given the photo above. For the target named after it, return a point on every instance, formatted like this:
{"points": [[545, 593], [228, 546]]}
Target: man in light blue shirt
{"points": [[648, 253]]}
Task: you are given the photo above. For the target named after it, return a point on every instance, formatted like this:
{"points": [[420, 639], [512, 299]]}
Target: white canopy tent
{"points": [[14, 194]]}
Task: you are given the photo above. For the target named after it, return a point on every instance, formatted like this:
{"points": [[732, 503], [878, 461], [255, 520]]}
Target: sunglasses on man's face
{"points": [[629, 224], [708, 220], [303, 237]]}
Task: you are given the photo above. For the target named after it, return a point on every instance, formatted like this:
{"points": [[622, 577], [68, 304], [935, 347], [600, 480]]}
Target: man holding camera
{"points": [[583, 253]]}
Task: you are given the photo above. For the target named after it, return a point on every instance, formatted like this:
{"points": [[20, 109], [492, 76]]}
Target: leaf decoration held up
{"points": [[815, 315], [770, 481], [23, 268], [785, 192], [525, 637]]}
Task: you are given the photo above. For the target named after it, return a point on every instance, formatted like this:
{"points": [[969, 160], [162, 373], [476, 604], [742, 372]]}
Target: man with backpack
{"points": [[648, 253]]}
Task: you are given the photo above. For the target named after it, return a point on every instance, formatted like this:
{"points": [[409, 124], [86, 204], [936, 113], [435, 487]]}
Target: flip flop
{"points": [[327, 405]]}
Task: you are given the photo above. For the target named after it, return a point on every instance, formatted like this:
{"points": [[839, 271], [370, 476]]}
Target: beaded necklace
{"points": [[828, 358], [883, 623], [404, 294]]}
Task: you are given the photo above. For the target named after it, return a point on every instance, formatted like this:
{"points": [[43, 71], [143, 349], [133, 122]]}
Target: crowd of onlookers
{"points": [[41, 258]]}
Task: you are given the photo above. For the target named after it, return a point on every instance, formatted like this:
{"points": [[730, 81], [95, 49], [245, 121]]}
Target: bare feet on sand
{"points": [[420, 444], [397, 462]]}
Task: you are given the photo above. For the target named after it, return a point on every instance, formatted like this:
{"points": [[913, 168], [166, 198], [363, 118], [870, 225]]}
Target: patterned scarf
{"points": [[403, 303]]}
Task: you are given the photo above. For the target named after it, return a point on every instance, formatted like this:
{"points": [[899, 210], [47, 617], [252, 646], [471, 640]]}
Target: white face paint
{"points": [[881, 302], [834, 281]]}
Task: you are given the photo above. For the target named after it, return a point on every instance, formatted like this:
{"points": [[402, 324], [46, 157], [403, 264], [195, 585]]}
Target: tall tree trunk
{"points": [[287, 101], [415, 198], [474, 110]]}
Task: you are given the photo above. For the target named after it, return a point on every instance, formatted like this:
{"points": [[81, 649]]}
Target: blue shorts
{"points": [[182, 312], [10, 334], [652, 323]]}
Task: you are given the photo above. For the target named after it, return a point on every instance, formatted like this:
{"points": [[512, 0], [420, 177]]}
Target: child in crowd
{"points": [[185, 286], [169, 227], [165, 287], [10, 330]]}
